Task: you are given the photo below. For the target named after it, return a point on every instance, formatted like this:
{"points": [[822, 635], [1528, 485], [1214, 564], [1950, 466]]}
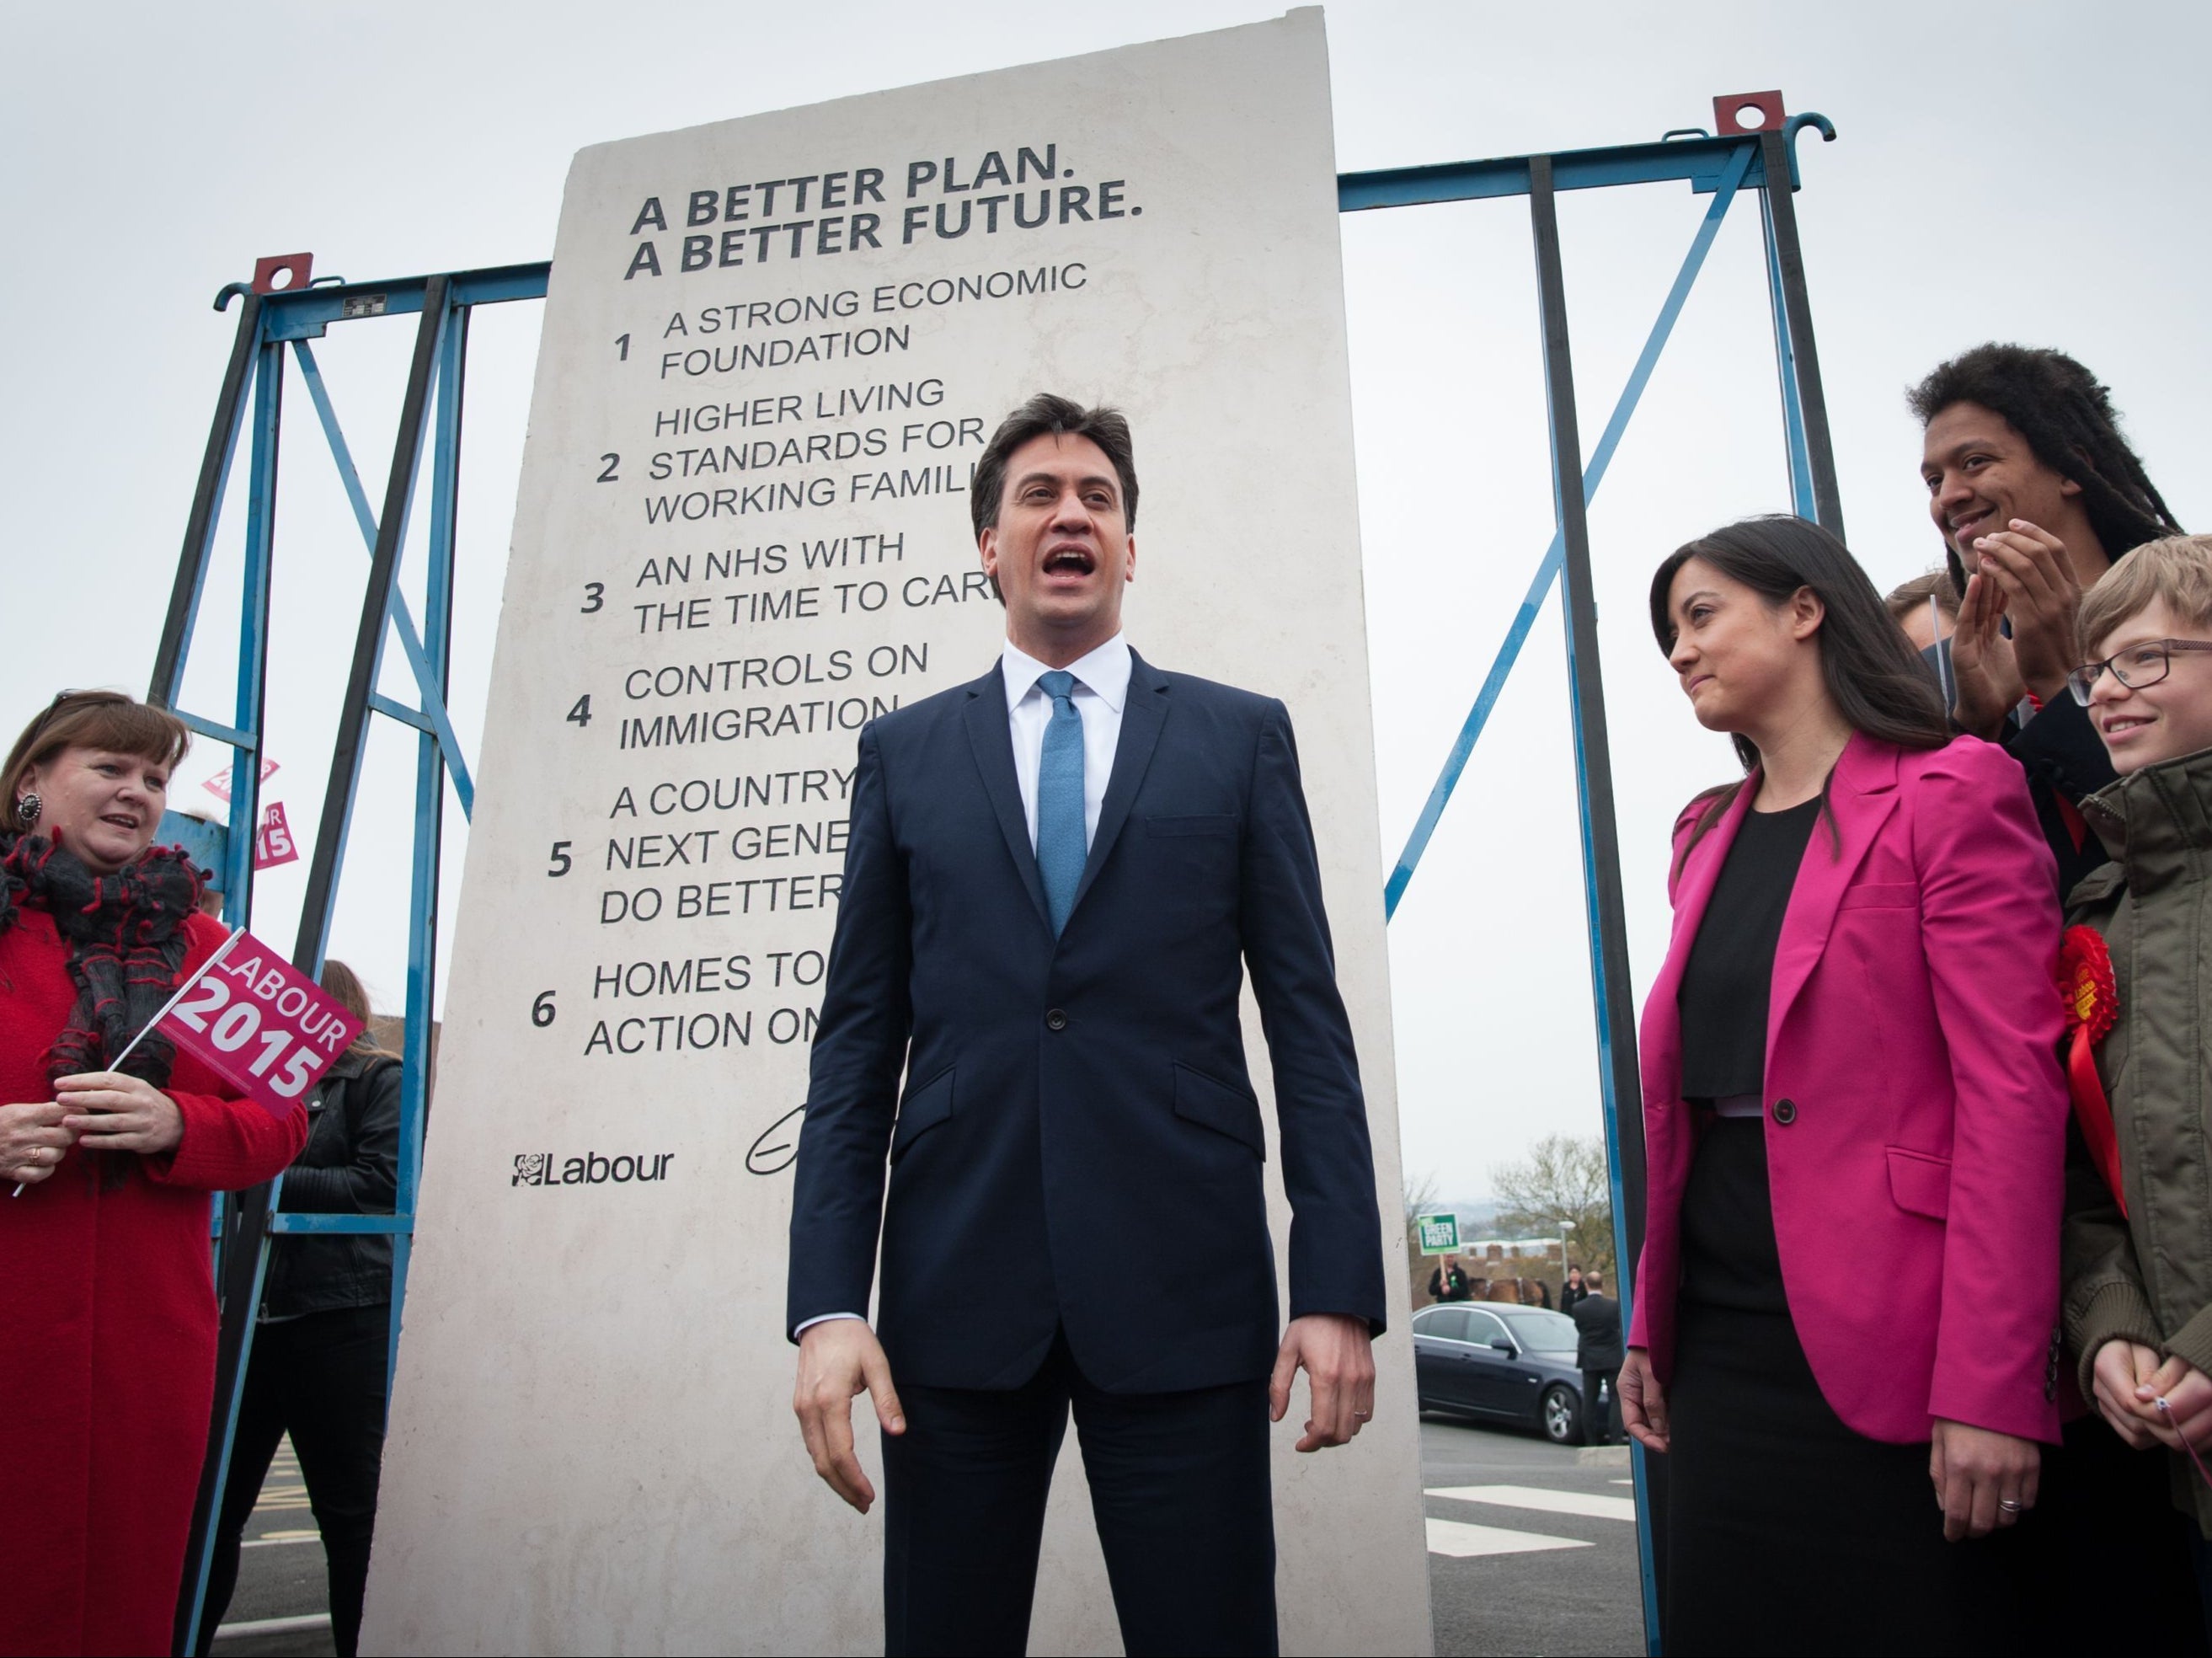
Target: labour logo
{"points": [[593, 1169]]}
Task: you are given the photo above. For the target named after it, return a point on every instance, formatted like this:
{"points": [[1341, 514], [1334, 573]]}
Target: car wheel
{"points": [[1562, 1416]]}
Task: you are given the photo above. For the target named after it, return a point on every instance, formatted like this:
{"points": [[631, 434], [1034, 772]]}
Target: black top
{"points": [[1726, 982], [350, 1166]]}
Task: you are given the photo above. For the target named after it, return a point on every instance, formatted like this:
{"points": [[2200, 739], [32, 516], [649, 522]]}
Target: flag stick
{"points": [[195, 977]]}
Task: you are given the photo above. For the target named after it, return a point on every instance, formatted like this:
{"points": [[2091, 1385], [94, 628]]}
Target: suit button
{"points": [[1055, 1020], [1785, 1112]]}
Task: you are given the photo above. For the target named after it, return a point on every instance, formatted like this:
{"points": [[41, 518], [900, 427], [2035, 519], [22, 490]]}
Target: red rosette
{"points": [[2092, 1006], [2085, 980]]}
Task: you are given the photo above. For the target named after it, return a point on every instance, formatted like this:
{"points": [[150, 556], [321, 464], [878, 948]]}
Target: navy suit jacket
{"points": [[1077, 1145]]}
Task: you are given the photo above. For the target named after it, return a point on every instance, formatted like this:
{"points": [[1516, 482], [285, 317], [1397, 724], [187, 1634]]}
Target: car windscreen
{"points": [[1540, 1331]]}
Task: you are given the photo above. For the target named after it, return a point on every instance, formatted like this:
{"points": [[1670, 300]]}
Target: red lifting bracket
{"points": [[286, 273], [1739, 113]]}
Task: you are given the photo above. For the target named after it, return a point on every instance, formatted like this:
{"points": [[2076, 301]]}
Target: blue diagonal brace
{"points": [[426, 678], [1548, 572]]}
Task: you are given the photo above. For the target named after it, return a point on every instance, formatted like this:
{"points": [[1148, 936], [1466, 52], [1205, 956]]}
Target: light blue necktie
{"points": [[1059, 848]]}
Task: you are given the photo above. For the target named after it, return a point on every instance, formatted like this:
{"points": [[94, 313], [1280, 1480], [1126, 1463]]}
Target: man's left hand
{"points": [[2042, 596], [1338, 1357]]}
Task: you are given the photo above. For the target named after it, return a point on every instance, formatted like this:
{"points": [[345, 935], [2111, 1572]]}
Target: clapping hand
{"points": [[1982, 665], [2034, 580]]}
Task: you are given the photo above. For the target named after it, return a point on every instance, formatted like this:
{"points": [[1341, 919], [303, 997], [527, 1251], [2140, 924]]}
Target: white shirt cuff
{"points": [[824, 1318]]}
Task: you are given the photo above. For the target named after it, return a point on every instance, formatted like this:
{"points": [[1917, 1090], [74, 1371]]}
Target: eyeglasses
{"points": [[2135, 667]]}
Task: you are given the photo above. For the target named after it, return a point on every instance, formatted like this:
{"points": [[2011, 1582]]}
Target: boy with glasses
{"points": [[2138, 1234]]}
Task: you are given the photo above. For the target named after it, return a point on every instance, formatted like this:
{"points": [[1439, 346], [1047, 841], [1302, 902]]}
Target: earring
{"points": [[27, 808]]}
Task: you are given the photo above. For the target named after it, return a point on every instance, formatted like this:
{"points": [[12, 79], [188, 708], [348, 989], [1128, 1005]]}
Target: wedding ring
{"points": [[2011, 1506]]}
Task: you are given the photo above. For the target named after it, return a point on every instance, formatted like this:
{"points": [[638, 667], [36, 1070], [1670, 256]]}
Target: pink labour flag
{"points": [[254, 1018]]}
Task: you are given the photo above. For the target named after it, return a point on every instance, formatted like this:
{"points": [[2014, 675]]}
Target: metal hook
{"points": [[230, 291]]}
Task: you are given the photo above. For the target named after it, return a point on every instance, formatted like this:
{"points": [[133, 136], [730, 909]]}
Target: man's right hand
{"points": [[1643, 1403], [837, 1358], [1989, 683]]}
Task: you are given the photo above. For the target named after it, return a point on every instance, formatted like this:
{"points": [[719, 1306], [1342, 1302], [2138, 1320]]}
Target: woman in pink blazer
{"points": [[1843, 1321]]}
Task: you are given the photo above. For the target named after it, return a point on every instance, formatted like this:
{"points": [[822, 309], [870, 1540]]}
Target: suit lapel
{"points": [[990, 735], [1144, 712], [1862, 795]]}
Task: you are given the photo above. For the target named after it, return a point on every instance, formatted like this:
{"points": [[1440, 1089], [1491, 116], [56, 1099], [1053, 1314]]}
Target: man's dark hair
{"points": [[2066, 414], [1042, 414]]}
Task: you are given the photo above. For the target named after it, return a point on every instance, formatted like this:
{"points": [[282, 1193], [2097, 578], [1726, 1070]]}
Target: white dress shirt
{"points": [[1101, 690]]}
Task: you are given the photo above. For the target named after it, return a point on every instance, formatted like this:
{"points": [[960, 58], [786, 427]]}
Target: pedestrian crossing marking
{"points": [[1461, 1542], [1589, 1505]]}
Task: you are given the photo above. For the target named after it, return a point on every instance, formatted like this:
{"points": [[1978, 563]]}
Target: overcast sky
{"points": [[2030, 172]]}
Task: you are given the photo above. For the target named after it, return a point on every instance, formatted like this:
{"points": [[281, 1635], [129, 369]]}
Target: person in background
{"points": [[1598, 1357], [322, 1347], [1871, 886], [1926, 607], [107, 1308], [2034, 492], [2137, 1259], [1448, 1281], [1573, 1292]]}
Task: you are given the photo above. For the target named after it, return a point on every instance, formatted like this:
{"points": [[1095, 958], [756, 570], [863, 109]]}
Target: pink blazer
{"points": [[1914, 1029]]}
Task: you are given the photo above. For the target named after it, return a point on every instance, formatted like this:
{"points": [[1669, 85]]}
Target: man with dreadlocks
{"points": [[2036, 495]]}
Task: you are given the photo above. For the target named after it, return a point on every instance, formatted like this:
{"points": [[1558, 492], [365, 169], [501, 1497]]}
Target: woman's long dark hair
{"points": [[1875, 679]]}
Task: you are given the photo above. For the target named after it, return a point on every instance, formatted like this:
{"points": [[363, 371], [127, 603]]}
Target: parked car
{"points": [[1502, 1363]]}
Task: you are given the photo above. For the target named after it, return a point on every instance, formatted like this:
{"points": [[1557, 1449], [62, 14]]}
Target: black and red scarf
{"points": [[127, 938]]}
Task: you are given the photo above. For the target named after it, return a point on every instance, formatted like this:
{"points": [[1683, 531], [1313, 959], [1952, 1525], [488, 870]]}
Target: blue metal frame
{"points": [[1721, 167], [268, 323]]}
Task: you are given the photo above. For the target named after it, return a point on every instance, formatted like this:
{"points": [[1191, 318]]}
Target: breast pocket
{"points": [[1920, 1183], [1215, 1105], [923, 1109]]}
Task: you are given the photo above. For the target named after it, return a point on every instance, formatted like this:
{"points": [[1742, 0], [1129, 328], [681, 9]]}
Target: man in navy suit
{"points": [[1055, 879]]}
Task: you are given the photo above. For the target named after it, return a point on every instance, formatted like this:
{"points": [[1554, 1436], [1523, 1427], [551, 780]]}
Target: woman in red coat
{"points": [[108, 1309]]}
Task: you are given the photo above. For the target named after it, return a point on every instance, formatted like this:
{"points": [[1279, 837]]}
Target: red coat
{"points": [[107, 1336]]}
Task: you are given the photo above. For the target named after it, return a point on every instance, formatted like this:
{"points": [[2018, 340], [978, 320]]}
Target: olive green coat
{"points": [[2148, 1276]]}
